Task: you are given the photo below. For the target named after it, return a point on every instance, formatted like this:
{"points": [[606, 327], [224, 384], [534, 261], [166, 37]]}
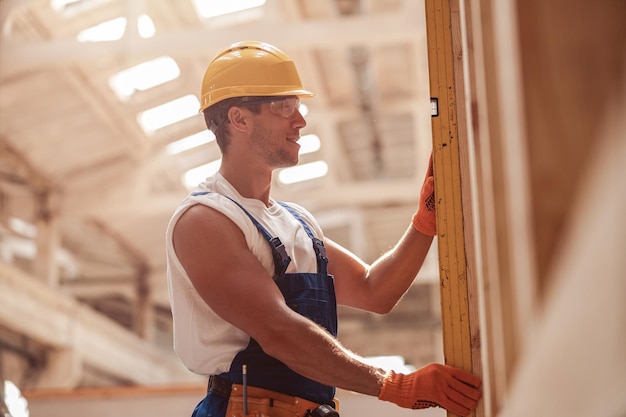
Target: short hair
{"points": [[216, 118]]}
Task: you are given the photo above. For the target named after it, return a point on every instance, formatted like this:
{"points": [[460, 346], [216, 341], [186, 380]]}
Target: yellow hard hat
{"points": [[250, 68]]}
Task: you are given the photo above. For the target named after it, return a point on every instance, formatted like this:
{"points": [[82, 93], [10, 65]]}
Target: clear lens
{"points": [[285, 107]]}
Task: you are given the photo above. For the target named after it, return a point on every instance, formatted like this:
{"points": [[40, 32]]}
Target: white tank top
{"points": [[205, 343]]}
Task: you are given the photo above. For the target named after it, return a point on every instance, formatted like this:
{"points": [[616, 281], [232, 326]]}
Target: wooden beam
{"points": [[59, 322], [47, 222], [445, 71], [391, 27], [143, 316], [115, 392]]}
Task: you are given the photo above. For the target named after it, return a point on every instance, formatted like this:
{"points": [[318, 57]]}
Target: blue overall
{"points": [[311, 295]]}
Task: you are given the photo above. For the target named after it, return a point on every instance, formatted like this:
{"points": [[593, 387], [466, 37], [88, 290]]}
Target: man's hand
{"points": [[434, 385], [425, 219]]}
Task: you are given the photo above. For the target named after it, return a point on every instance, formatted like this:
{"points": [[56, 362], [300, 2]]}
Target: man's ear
{"points": [[237, 118]]}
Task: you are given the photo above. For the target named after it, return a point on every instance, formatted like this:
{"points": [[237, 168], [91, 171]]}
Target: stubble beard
{"points": [[273, 156]]}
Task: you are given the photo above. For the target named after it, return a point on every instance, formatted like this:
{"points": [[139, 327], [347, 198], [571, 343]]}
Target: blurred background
{"points": [[100, 139]]}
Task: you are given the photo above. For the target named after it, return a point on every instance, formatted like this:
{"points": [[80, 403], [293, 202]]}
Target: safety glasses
{"points": [[281, 106]]}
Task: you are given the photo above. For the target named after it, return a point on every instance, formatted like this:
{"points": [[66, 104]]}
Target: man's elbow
{"points": [[384, 308], [275, 339]]}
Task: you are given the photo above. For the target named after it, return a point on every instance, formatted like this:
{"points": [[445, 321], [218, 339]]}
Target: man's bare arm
{"points": [[230, 279]]}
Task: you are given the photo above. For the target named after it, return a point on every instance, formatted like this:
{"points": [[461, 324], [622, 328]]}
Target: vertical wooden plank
{"points": [[451, 241], [566, 63], [47, 240], [460, 43], [491, 243]]}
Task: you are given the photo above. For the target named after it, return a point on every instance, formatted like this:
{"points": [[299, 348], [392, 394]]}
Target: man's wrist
{"points": [[381, 376], [425, 223]]}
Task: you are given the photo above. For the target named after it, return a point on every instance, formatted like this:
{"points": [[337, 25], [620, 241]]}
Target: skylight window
{"points": [[60, 5], [303, 109], [196, 175], [113, 30], [303, 172], [72, 8], [144, 76], [212, 8], [309, 144], [22, 227], [190, 142], [169, 113], [16, 403]]}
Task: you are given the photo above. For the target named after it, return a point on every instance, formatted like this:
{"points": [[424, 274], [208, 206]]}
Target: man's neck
{"points": [[249, 184]]}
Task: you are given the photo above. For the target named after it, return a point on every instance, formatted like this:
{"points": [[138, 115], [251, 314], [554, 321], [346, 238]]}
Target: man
{"points": [[254, 283]]}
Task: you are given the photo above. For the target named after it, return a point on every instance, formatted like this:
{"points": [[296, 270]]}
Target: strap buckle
{"points": [[219, 386]]}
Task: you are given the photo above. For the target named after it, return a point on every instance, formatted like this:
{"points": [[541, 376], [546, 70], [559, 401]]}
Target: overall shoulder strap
{"points": [[281, 259], [318, 245]]}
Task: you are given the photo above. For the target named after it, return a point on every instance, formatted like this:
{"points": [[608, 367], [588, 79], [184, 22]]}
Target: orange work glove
{"points": [[434, 385], [425, 220]]}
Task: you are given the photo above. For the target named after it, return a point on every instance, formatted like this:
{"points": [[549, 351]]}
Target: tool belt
{"points": [[265, 403]]}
